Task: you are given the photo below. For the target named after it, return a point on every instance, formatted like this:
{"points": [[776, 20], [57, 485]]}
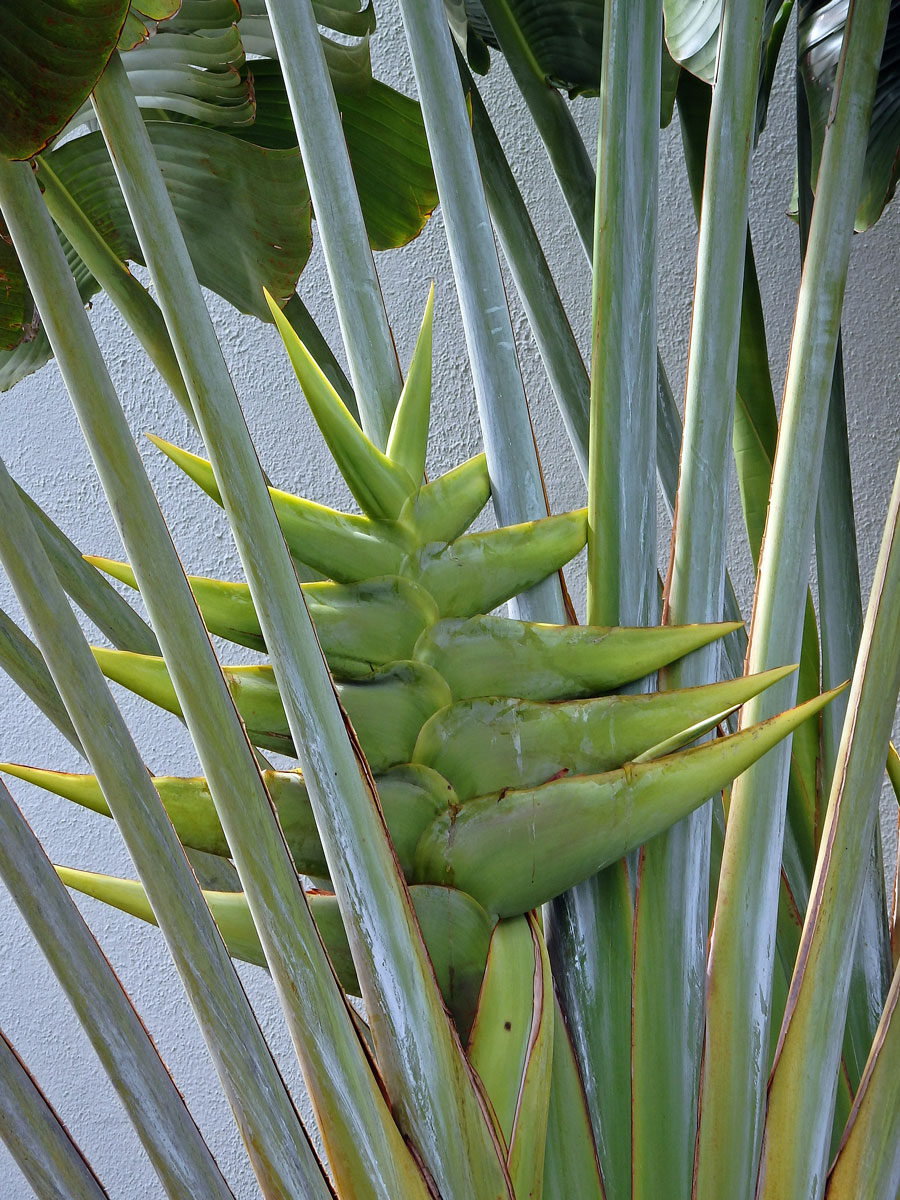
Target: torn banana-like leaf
{"points": [[408, 439], [478, 571], [488, 744], [518, 849], [360, 626], [387, 708], [380, 486], [457, 931], [497, 656]]}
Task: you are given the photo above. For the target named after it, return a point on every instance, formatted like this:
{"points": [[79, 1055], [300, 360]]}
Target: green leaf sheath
{"points": [[387, 708], [568, 828], [485, 745], [380, 486], [408, 441], [487, 656], [361, 626]]}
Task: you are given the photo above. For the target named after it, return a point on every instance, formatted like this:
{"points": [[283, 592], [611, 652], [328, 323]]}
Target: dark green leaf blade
{"points": [[53, 53], [820, 33]]}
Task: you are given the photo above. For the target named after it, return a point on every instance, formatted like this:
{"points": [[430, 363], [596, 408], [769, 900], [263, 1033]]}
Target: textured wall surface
{"points": [[40, 442]]}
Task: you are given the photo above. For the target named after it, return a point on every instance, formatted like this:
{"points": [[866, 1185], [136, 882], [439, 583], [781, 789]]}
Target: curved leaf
{"points": [[263, 212], [189, 64], [143, 19]]}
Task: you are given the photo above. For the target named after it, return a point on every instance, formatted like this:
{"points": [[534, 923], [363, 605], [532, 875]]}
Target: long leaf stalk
{"points": [[674, 869], [622, 576], [24, 664], [562, 138], [867, 1166], [374, 370], [132, 300], [754, 440], [525, 257], [621, 508], [419, 1054], [37, 1139], [167, 1131], [742, 943], [553, 334], [279, 1150], [516, 483], [263, 1110], [90, 590], [798, 1121], [548, 320], [755, 435], [841, 621]]}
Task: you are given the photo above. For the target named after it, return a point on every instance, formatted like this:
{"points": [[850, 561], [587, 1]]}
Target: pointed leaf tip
{"points": [[408, 440], [380, 486]]}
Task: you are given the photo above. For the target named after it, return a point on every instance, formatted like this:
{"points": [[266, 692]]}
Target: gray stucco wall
{"points": [[41, 444]]}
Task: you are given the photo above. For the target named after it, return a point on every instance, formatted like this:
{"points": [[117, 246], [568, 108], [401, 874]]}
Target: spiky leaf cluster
{"points": [[507, 767]]}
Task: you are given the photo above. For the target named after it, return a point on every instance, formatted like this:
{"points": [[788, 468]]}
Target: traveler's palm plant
{"points": [[500, 834]]}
